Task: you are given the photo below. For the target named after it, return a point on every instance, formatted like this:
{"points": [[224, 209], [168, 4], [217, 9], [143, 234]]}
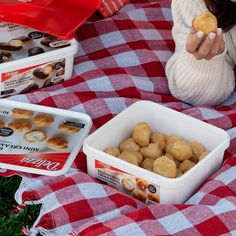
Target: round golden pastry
{"points": [[18, 113], [153, 197], [137, 154], [141, 183], [35, 136], [186, 165], [1, 124], [140, 195], [42, 120], [129, 144], [165, 167], [114, 151], [20, 125], [68, 129], [141, 134], [205, 22], [129, 157], [57, 144], [127, 184], [153, 151], [148, 164]]}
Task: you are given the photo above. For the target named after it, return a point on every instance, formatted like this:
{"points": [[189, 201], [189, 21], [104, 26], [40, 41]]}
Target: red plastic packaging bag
{"points": [[56, 17]]}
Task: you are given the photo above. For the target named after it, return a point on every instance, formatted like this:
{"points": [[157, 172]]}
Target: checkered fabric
{"points": [[110, 7], [121, 60]]}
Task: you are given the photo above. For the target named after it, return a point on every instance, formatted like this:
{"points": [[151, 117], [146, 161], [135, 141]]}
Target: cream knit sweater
{"points": [[199, 82]]}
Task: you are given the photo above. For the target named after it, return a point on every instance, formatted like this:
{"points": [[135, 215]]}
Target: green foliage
{"points": [[10, 224]]}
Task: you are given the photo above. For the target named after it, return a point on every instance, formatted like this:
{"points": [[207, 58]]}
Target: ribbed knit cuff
{"points": [[205, 65]]}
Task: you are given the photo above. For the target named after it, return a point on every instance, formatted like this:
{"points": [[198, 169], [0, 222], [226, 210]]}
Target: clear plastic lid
{"points": [[38, 139]]}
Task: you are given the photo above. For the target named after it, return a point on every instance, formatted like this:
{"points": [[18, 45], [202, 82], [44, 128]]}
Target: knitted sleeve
{"points": [[197, 82]]}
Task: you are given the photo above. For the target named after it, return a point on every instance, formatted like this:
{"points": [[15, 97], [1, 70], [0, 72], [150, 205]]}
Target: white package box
{"points": [[112, 170], [30, 59]]}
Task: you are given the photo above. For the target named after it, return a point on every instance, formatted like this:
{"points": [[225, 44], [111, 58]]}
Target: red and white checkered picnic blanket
{"points": [[121, 60]]}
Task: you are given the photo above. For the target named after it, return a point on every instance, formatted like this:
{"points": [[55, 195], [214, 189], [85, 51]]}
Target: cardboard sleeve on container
{"points": [[38, 139], [30, 59]]}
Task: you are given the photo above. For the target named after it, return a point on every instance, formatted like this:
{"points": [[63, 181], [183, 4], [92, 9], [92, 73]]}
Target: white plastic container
{"points": [[38, 139], [111, 170], [33, 52]]}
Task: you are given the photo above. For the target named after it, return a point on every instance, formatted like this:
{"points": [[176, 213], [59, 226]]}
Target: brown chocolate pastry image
{"points": [[205, 22], [47, 42], [42, 120], [12, 45], [24, 39], [57, 144], [68, 129], [35, 136], [43, 73], [127, 184], [4, 56], [19, 113], [20, 125], [35, 51], [30, 87]]}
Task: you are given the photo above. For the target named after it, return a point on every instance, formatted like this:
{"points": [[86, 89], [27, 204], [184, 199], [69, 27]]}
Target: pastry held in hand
{"points": [[205, 22]]}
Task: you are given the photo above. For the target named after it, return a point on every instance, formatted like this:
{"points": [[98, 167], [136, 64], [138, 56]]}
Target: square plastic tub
{"points": [[112, 171], [30, 59], [38, 139]]}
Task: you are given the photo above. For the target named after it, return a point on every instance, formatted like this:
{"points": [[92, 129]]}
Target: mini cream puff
{"points": [[42, 120], [153, 197], [141, 183], [127, 184], [35, 136], [57, 144], [18, 113], [20, 125], [205, 22], [140, 195], [68, 129]]}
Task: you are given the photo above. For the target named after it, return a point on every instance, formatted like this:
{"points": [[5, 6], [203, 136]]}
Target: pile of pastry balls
{"points": [[167, 155]]}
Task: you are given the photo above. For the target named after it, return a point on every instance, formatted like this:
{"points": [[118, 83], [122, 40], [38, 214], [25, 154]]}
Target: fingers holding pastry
{"points": [[194, 40], [206, 39]]}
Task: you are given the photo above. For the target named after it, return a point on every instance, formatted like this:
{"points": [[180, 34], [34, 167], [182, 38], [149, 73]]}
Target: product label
{"points": [[34, 77], [36, 139], [132, 185]]}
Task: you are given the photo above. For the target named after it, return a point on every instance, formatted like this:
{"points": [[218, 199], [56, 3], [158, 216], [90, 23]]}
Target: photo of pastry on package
{"points": [[39, 139], [30, 59]]}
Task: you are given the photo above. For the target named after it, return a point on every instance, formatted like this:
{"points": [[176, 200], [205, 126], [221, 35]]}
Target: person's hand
{"points": [[205, 47]]}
